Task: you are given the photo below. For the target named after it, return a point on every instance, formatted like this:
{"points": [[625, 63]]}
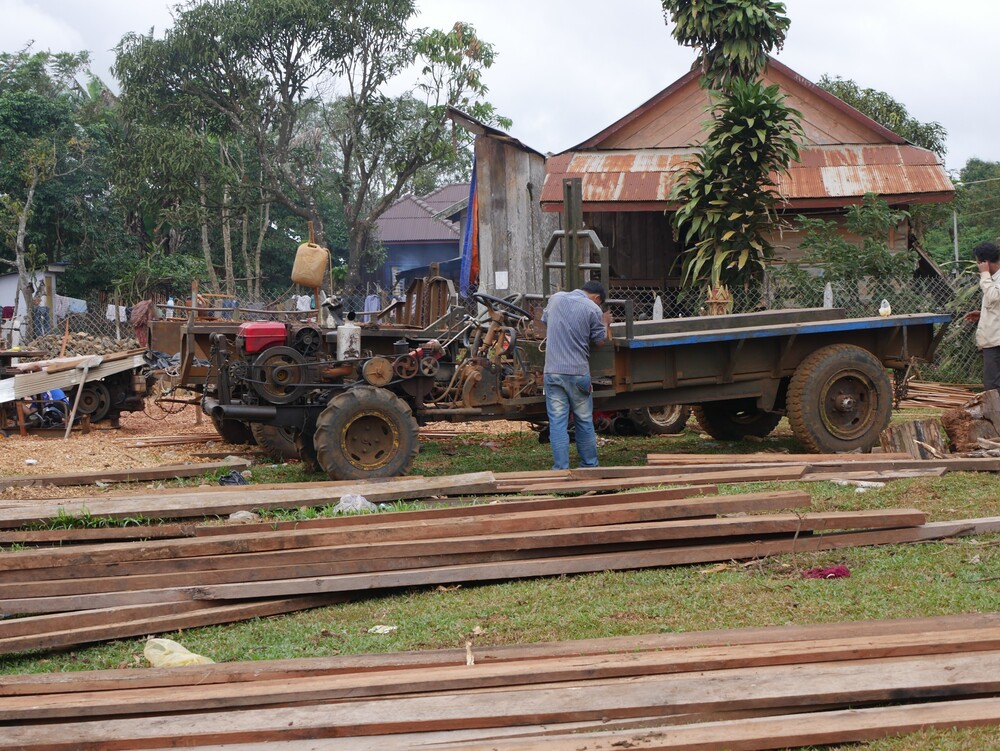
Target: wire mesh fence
{"points": [[106, 327]]}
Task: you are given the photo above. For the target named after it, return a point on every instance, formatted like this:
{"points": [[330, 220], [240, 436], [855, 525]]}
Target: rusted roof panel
{"points": [[824, 173]]}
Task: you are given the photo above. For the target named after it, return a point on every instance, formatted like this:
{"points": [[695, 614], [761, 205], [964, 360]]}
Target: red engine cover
{"points": [[258, 335]]}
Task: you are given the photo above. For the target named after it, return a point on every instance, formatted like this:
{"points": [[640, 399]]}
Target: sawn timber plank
{"points": [[575, 671], [100, 680], [587, 563], [660, 477], [777, 687], [216, 502], [758, 733], [378, 530], [72, 629], [21, 597], [139, 474]]}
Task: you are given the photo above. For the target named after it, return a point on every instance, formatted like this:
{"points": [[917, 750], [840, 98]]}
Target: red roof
{"points": [[642, 179]]}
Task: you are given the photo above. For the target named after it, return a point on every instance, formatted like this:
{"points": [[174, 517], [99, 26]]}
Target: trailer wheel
{"points": [[277, 442], [669, 419], [735, 419], [366, 432], [95, 401], [234, 431], [839, 399]]}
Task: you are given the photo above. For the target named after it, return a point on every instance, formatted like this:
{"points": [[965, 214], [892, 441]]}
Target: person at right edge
{"points": [[987, 257], [573, 322]]}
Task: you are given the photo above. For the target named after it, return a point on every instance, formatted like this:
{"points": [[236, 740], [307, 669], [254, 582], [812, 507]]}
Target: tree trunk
{"points": [[24, 278], [227, 243], [357, 244], [245, 249], [264, 222], [206, 247]]}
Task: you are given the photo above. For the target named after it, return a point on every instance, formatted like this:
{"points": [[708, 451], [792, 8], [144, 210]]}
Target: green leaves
{"points": [[733, 37], [727, 196]]}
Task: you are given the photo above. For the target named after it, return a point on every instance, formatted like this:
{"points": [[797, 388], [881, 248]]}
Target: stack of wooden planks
{"points": [[94, 592], [749, 689], [924, 394], [811, 467]]}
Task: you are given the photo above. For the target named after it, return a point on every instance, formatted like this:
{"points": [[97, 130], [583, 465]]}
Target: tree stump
{"points": [[921, 439], [977, 418]]}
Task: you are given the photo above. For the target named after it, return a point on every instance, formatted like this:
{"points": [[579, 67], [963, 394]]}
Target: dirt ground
{"points": [[109, 448]]}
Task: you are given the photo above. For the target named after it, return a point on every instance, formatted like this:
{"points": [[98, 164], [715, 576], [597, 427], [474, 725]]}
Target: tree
{"points": [[265, 74], [39, 144], [888, 112], [727, 194]]}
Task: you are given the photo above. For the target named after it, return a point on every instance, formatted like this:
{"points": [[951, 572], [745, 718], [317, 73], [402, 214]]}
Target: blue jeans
{"points": [[563, 394]]}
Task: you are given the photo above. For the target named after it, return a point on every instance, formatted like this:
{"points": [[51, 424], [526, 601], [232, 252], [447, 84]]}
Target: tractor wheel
{"points": [[277, 442], [735, 420], [95, 401], [234, 431], [366, 432], [669, 419], [839, 399]]}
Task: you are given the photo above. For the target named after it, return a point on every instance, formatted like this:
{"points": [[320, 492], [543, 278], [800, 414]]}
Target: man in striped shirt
{"points": [[573, 322]]}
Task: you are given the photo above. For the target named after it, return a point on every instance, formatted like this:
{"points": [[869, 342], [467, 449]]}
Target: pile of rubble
{"points": [[80, 343]]}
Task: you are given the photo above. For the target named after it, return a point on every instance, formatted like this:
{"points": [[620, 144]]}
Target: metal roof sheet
{"points": [[825, 175], [411, 220]]}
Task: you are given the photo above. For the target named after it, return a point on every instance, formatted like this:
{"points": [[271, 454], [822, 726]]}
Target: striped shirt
{"points": [[572, 322]]}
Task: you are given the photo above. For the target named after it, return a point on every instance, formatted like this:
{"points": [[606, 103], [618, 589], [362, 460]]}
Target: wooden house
{"points": [[629, 169]]}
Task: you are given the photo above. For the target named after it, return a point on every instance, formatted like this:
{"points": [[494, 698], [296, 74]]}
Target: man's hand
{"points": [[608, 318], [972, 317], [983, 266]]}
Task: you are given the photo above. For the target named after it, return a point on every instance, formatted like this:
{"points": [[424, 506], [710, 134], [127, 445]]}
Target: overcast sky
{"points": [[568, 68]]}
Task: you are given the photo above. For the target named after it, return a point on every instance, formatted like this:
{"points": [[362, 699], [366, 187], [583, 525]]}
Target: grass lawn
{"points": [[899, 581]]}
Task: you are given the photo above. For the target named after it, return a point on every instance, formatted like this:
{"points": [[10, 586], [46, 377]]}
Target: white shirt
{"points": [[988, 330]]}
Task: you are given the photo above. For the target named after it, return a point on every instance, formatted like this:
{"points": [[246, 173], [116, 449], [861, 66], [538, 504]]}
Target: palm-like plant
{"points": [[727, 195]]}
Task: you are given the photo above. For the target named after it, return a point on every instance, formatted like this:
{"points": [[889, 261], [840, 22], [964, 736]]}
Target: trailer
{"points": [[352, 397]]}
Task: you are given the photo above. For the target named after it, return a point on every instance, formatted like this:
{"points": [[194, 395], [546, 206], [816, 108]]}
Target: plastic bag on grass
{"points": [[352, 503], [166, 653]]}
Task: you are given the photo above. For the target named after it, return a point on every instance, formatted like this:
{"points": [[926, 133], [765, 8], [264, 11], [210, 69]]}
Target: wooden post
{"points": [[194, 298], [86, 364], [118, 329]]}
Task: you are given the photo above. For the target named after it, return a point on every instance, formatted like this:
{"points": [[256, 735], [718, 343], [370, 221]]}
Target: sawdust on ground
{"points": [[107, 448]]}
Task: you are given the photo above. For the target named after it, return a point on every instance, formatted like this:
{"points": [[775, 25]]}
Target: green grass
{"points": [[898, 581]]}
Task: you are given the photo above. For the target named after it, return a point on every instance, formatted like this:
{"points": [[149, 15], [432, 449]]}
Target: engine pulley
{"points": [[279, 374]]}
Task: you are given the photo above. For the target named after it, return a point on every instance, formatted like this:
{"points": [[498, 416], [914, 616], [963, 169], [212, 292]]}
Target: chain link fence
{"points": [[107, 328], [957, 360]]}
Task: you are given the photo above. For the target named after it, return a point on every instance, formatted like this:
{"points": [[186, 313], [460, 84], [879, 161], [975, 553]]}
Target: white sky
{"points": [[568, 68]]}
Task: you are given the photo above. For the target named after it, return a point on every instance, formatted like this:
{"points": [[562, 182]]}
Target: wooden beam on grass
{"points": [[817, 685], [216, 502], [657, 476], [138, 474]]}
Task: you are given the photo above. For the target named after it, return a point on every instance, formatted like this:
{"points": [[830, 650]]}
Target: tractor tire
{"points": [[839, 399], [277, 442], [234, 431], [669, 419], [366, 432], [734, 420]]}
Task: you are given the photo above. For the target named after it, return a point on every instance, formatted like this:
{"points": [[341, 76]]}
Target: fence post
{"points": [[118, 330]]}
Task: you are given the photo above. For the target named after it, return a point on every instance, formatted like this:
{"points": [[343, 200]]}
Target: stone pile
{"points": [[81, 343]]}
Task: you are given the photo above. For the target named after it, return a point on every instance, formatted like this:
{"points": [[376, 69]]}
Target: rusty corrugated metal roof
{"points": [[825, 175]]}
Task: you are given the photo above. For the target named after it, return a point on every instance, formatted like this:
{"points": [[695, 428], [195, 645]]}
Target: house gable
{"points": [[633, 164], [675, 118]]}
